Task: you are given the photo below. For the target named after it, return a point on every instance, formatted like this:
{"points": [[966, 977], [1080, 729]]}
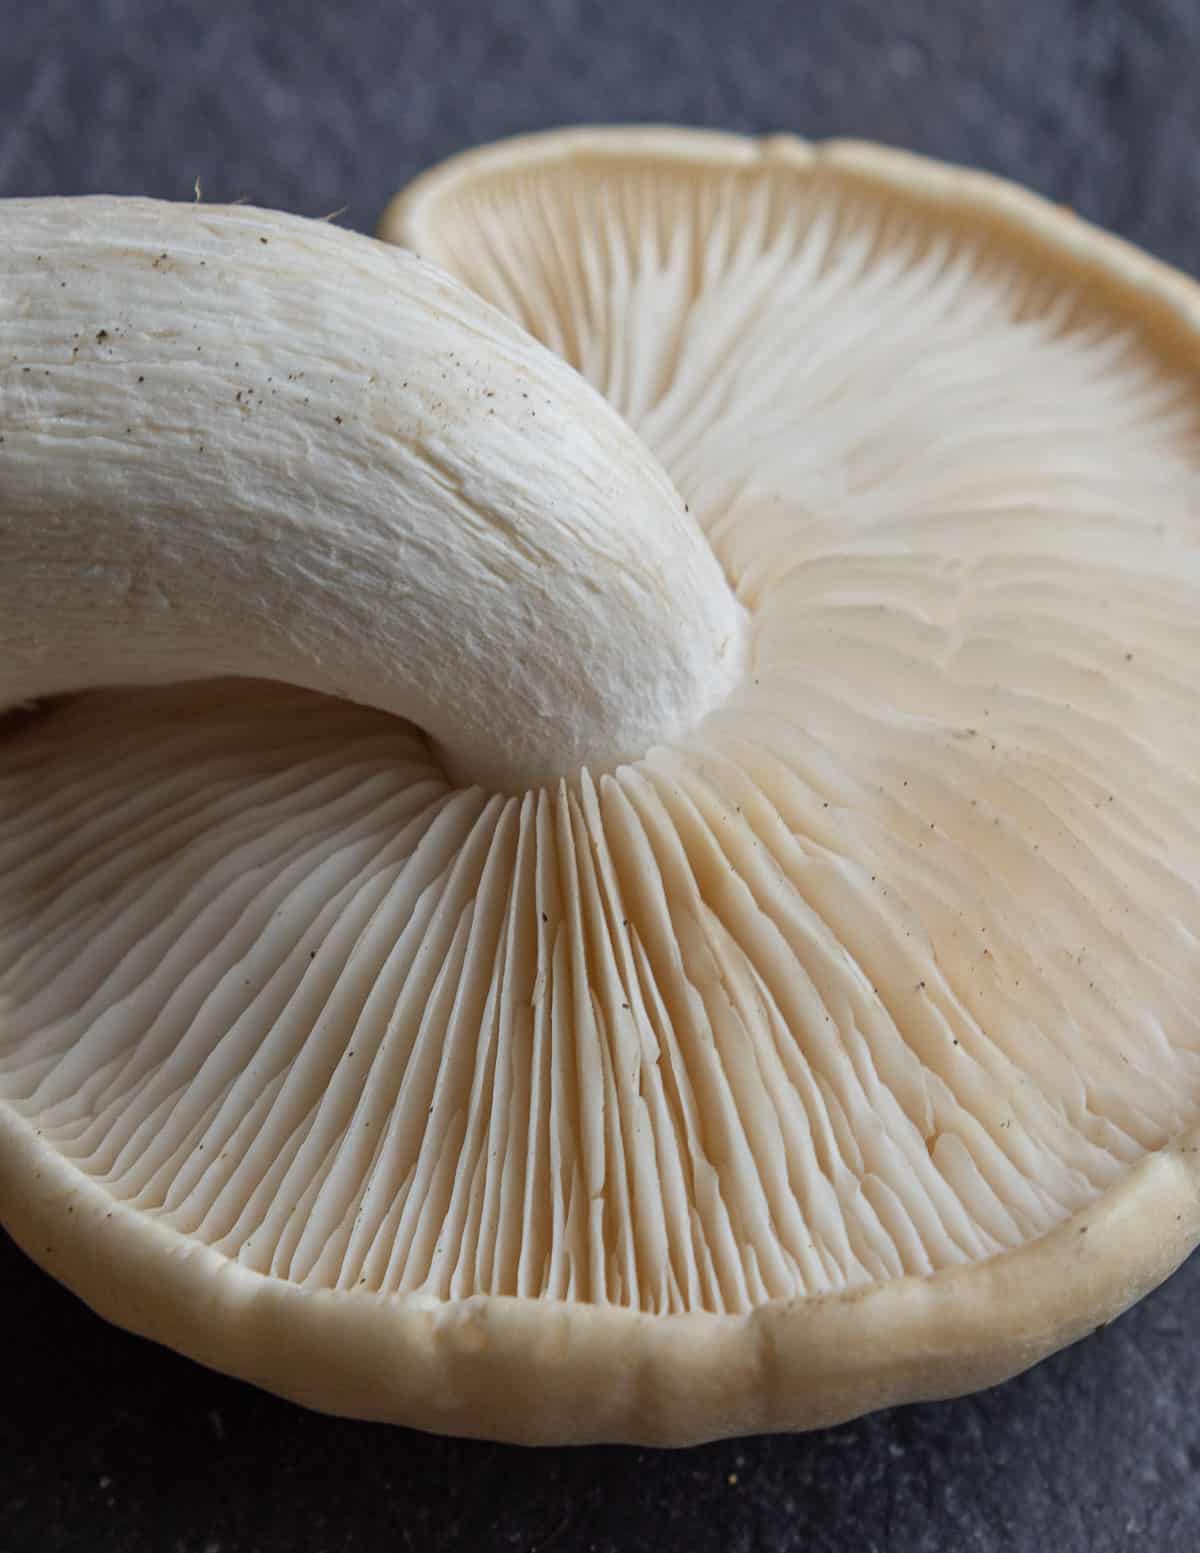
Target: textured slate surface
{"points": [[107, 1443]]}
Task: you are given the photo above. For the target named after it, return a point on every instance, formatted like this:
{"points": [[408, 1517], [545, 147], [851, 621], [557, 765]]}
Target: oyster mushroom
{"points": [[770, 990]]}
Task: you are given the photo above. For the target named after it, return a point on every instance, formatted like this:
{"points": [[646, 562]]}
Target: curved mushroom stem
{"points": [[235, 442]]}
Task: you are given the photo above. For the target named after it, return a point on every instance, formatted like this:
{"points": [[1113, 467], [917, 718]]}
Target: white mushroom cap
{"points": [[839, 1047]]}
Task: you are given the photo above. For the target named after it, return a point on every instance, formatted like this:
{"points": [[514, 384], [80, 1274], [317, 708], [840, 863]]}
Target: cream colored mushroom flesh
{"points": [[625, 872]]}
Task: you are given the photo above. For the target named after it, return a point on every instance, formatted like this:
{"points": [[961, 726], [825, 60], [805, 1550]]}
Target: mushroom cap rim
{"points": [[1021, 210], [500, 1367]]}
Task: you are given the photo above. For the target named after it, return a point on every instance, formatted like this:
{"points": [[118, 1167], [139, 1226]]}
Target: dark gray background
{"points": [[108, 1443]]}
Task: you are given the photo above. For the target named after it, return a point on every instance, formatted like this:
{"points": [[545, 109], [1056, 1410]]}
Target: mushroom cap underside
{"points": [[842, 1052]]}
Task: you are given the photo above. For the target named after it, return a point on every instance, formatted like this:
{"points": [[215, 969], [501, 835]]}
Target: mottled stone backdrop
{"points": [[311, 107]]}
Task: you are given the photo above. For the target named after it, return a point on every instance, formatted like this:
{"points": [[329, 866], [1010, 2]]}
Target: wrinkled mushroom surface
{"points": [[843, 1046]]}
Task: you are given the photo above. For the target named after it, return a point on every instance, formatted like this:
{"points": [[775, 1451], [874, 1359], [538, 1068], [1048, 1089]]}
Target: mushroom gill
{"points": [[841, 1049]]}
